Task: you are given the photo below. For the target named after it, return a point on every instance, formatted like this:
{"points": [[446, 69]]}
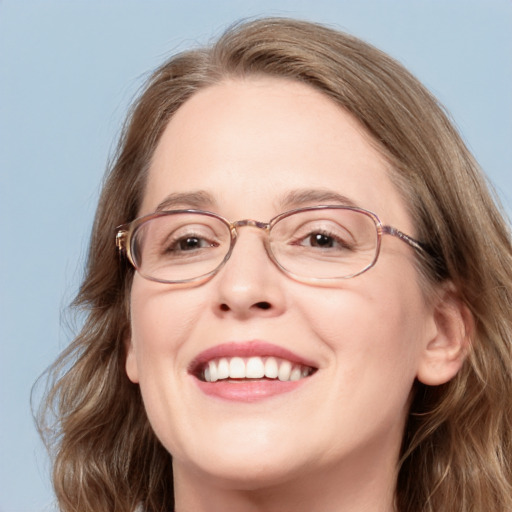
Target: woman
{"points": [[308, 303]]}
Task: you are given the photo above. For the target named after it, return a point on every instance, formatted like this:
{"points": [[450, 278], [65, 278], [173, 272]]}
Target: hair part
{"points": [[457, 446]]}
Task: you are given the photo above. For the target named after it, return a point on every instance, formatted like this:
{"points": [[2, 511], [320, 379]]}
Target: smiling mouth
{"points": [[255, 368]]}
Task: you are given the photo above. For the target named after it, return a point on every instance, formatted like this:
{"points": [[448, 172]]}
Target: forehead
{"points": [[249, 143]]}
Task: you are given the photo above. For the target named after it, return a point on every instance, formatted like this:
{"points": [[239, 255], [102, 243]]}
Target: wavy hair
{"points": [[457, 447]]}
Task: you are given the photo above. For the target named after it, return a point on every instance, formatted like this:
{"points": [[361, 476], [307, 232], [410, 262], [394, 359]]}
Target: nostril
{"points": [[263, 305]]}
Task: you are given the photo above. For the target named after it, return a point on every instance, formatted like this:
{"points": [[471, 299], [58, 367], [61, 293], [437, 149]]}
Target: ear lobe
{"points": [[446, 351], [130, 365]]}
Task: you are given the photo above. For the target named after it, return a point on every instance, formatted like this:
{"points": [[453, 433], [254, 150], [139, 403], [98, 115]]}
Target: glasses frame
{"points": [[124, 238]]}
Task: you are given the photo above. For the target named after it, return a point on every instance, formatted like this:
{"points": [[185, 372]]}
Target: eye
{"points": [[189, 243], [321, 234], [195, 242], [172, 237], [320, 240], [323, 240]]}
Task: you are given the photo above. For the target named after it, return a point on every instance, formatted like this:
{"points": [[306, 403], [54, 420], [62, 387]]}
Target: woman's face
{"points": [[254, 148]]}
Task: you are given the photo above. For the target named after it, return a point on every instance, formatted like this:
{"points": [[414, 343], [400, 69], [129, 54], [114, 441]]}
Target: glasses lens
{"points": [[179, 246], [325, 243]]}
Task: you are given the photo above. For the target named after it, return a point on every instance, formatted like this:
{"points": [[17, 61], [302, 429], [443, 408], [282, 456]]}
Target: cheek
{"points": [[375, 328], [161, 323]]}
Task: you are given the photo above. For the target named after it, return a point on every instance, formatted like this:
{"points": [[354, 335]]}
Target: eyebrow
{"points": [[199, 200], [202, 200], [302, 197]]}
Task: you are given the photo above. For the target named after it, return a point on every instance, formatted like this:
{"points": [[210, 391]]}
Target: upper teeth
{"points": [[254, 368]]}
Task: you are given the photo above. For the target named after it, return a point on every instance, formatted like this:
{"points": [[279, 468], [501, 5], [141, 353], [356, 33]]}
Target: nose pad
{"points": [[249, 283]]}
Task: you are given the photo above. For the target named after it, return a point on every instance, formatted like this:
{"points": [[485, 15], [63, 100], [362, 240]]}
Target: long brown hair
{"points": [[457, 448]]}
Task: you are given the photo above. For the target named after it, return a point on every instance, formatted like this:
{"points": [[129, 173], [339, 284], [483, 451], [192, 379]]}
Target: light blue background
{"points": [[68, 70]]}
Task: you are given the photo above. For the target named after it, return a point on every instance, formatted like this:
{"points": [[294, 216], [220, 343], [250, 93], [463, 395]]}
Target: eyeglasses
{"points": [[317, 244]]}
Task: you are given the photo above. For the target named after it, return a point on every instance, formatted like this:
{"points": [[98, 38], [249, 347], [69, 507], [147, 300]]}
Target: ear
{"points": [[447, 349], [131, 367]]}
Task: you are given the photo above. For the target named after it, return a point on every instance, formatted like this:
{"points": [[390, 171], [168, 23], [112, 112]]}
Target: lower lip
{"points": [[249, 390]]}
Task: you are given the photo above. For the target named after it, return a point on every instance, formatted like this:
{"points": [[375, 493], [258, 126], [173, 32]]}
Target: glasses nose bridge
{"points": [[251, 223], [264, 226]]}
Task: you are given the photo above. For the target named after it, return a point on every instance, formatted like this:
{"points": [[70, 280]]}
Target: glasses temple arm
{"points": [[427, 251], [390, 230], [121, 236]]}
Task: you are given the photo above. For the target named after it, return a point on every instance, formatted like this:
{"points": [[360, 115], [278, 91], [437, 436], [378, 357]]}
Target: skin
{"points": [[333, 443]]}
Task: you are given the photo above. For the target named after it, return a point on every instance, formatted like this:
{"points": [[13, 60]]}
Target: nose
{"points": [[249, 284]]}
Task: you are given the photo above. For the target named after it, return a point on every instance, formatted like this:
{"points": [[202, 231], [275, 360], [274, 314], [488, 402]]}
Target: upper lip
{"points": [[248, 349]]}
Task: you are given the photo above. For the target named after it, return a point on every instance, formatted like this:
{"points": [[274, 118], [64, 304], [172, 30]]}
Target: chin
{"points": [[248, 459], [248, 472]]}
